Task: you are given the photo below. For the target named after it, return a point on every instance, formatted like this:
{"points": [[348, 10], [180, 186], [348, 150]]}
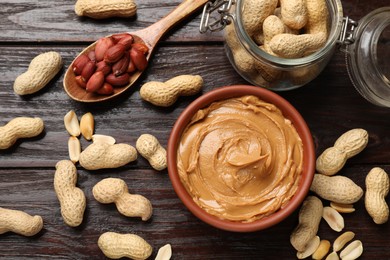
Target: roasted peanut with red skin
{"points": [[102, 45], [139, 59], [140, 47], [121, 65], [114, 53], [95, 82], [127, 41], [118, 81], [80, 81], [104, 67], [107, 89], [88, 70], [79, 63]]}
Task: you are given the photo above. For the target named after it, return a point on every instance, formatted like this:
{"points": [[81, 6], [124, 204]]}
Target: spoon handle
{"points": [[152, 34]]}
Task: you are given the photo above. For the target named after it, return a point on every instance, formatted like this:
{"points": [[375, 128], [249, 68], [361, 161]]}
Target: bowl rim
{"points": [[288, 111]]}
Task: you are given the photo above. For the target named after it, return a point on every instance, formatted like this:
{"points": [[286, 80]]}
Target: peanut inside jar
{"points": [[240, 159]]}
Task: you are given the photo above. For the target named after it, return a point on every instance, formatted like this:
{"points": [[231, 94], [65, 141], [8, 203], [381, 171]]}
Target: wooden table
{"points": [[329, 104]]}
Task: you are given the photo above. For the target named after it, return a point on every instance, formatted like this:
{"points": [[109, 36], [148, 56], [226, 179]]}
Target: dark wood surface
{"points": [[329, 104]]}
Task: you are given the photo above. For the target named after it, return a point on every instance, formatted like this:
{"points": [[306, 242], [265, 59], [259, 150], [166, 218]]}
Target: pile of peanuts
{"points": [[110, 64]]}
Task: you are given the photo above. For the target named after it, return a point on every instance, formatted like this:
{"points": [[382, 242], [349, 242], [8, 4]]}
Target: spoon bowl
{"points": [[149, 36]]}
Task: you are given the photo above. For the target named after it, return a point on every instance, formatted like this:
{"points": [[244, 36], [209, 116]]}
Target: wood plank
{"points": [[128, 117], [51, 21], [329, 104], [31, 190]]}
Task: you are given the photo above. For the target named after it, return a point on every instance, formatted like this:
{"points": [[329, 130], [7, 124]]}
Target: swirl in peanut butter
{"points": [[240, 159]]}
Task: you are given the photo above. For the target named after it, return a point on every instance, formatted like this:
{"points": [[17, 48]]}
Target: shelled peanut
{"points": [[110, 64]]}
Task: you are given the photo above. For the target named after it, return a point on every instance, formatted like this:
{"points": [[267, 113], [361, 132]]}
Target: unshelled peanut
{"points": [[20, 127], [150, 148], [246, 63], [293, 13], [166, 93], [346, 146], [101, 9], [338, 189], [72, 199], [315, 32], [114, 190], [19, 222], [256, 11], [377, 188], [310, 216], [41, 70], [99, 155], [115, 246]]}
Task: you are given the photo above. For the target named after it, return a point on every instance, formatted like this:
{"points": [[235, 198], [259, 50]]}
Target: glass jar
{"points": [[368, 57], [272, 72]]}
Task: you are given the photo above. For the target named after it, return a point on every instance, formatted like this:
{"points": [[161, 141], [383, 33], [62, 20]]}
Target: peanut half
{"points": [[87, 125], [333, 218], [332, 256], [322, 250], [72, 123], [342, 208], [74, 149], [96, 138], [353, 251], [164, 253], [342, 240]]}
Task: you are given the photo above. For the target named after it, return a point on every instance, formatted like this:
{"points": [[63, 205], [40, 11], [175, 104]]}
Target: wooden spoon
{"points": [[149, 36]]}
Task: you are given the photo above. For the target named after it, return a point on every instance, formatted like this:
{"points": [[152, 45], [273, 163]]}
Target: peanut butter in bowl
{"points": [[240, 159]]}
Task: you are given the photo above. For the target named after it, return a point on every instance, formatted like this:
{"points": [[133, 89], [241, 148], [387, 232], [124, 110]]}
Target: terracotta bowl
{"points": [[288, 111]]}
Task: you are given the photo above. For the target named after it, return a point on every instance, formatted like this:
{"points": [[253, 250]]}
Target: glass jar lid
{"points": [[368, 57]]}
